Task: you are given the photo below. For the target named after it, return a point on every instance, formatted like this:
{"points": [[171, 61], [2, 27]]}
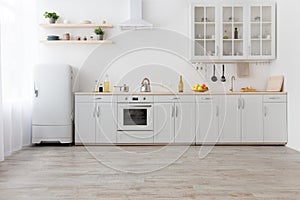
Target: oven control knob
{"points": [[144, 98], [126, 98]]}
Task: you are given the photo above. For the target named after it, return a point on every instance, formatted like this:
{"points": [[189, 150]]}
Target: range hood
{"points": [[136, 19]]}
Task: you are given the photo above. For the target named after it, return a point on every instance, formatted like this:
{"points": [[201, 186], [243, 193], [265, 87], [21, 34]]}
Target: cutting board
{"points": [[275, 84]]}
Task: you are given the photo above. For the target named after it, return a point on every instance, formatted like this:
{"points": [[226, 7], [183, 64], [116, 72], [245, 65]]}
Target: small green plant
{"points": [[50, 15], [99, 31]]}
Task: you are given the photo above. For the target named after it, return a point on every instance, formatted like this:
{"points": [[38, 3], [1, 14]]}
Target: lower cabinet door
{"points": [[106, 123], [85, 123], [229, 119], [185, 123], [275, 123], [252, 125], [164, 114], [207, 130]]}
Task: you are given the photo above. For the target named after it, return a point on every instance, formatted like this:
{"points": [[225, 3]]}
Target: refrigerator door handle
{"points": [[36, 91]]}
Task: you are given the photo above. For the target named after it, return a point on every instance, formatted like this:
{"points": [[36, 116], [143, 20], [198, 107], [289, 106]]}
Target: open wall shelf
{"points": [[76, 25]]}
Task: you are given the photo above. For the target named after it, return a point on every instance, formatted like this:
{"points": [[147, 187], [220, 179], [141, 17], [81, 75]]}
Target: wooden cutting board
{"points": [[275, 84]]}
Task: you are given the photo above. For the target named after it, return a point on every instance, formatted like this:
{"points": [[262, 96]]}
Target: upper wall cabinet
{"points": [[233, 31], [204, 30], [262, 43]]}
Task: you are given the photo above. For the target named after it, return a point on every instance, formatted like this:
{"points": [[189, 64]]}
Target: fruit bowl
{"points": [[199, 88], [203, 90]]}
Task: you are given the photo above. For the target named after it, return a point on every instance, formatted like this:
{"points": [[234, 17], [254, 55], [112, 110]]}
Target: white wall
{"points": [[288, 41], [116, 11]]}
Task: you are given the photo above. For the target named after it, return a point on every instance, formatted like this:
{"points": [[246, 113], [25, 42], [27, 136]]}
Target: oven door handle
{"points": [[141, 106]]}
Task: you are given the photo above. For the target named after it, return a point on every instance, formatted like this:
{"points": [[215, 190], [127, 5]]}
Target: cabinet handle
{"points": [[175, 98], [243, 103], [217, 53], [239, 104], [95, 110], [172, 115], [217, 111], [98, 111], [36, 91], [176, 111], [98, 98], [265, 111], [206, 98], [273, 98]]}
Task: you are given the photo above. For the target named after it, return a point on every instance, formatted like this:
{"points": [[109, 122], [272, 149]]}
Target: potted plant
{"points": [[100, 32], [52, 17]]}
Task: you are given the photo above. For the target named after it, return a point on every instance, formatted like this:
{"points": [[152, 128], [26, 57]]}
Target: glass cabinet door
{"points": [[205, 31], [232, 35], [261, 30]]}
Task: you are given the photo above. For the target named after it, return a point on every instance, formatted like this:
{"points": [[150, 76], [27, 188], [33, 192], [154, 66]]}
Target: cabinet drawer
{"points": [[205, 98], [95, 98], [275, 98], [174, 98]]}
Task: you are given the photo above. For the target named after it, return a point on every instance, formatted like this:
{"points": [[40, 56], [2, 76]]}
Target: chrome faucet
{"points": [[231, 83]]}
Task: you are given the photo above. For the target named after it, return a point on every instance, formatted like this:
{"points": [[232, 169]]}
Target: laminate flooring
{"points": [[151, 172]]}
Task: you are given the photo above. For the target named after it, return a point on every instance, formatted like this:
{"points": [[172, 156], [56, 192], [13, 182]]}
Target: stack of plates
{"points": [[53, 37]]}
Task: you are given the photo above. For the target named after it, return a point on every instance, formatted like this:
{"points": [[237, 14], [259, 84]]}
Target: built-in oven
{"points": [[135, 113]]}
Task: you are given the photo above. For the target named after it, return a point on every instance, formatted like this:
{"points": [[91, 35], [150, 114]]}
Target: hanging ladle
{"points": [[214, 77], [223, 79]]}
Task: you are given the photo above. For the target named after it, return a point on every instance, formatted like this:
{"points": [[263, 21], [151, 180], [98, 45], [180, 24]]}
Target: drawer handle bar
{"points": [[206, 98], [273, 98]]}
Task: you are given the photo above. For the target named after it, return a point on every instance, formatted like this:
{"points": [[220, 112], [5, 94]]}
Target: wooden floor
{"points": [[227, 172]]}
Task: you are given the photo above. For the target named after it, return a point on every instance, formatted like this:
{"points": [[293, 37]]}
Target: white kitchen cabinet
{"points": [[251, 116], [207, 126], [262, 29], [233, 19], [185, 123], [95, 120], [186, 119], [275, 119], [230, 119], [213, 26], [164, 122], [204, 31], [275, 124], [85, 123], [174, 119], [106, 123]]}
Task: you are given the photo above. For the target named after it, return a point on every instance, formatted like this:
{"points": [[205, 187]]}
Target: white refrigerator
{"points": [[52, 104]]}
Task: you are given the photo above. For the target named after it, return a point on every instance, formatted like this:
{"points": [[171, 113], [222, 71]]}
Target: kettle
{"points": [[145, 87]]}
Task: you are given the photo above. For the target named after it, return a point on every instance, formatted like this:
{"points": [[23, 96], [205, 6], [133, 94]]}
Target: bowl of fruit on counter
{"points": [[199, 88]]}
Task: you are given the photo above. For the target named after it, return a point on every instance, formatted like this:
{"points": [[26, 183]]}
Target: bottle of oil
{"points": [[236, 33], [106, 84], [180, 86]]}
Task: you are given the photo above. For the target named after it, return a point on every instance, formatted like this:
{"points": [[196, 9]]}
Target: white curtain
{"points": [[18, 43]]}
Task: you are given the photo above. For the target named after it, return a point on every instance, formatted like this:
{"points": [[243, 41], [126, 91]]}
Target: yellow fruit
{"points": [[199, 88], [193, 88], [197, 85]]}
